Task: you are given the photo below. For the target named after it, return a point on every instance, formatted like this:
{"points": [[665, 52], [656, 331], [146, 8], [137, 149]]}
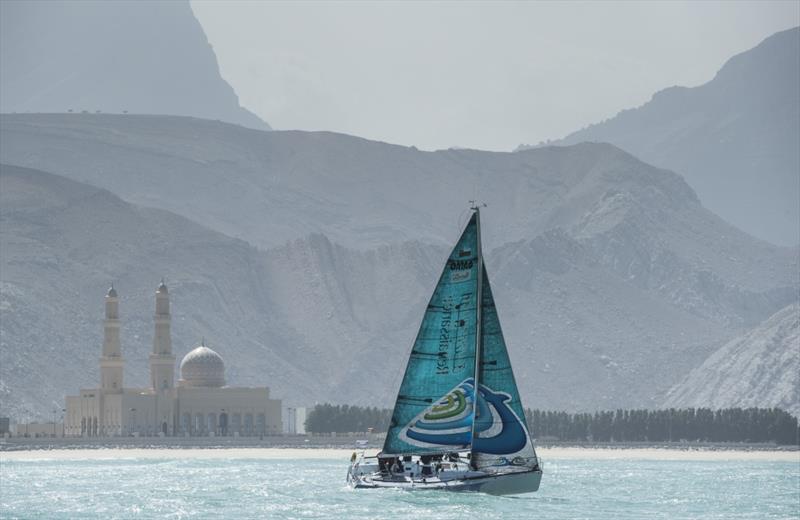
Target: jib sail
{"points": [[501, 431]]}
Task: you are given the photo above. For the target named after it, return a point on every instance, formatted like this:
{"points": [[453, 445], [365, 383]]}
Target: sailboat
{"points": [[458, 422]]}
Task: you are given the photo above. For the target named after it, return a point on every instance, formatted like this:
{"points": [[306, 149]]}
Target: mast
{"points": [[478, 334]]}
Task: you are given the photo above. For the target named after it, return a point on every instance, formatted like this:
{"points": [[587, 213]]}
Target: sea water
{"points": [[181, 486]]}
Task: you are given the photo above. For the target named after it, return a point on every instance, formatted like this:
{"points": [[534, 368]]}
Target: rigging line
{"points": [[461, 221]]}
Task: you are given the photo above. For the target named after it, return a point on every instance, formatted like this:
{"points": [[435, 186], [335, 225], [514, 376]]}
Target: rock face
{"points": [[759, 368], [272, 187], [612, 281], [140, 57], [734, 138]]}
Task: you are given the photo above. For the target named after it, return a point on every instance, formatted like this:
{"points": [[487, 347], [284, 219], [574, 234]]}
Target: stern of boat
{"points": [[513, 483]]}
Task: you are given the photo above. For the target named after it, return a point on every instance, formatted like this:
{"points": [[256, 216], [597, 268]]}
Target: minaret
{"points": [[162, 361], [111, 360]]}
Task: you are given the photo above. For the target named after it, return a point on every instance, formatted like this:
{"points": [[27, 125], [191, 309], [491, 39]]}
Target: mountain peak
{"points": [[778, 52], [122, 56], [734, 138]]}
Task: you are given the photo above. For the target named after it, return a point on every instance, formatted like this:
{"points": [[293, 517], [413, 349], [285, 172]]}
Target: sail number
{"points": [[460, 265]]}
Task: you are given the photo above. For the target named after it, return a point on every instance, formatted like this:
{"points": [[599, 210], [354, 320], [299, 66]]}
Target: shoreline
{"points": [[342, 442], [547, 453]]}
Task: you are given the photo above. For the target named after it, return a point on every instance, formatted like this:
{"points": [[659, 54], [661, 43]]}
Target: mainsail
{"points": [[435, 406], [501, 432]]}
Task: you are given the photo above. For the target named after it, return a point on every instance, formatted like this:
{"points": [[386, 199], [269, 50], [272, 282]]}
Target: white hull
{"points": [[510, 483]]}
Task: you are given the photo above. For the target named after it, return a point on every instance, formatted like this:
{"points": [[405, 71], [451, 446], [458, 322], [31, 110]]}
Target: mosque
{"points": [[199, 405]]}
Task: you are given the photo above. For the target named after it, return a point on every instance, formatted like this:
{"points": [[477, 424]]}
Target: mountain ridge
{"points": [[582, 332], [363, 194], [733, 138]]}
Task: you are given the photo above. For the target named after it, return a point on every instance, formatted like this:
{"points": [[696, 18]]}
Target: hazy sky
{"points": [[478, 75]]}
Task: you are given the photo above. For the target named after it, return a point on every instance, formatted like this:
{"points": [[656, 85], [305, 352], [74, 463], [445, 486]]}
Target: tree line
{"points": [[685, 424], [671, 425], [329, 418]]}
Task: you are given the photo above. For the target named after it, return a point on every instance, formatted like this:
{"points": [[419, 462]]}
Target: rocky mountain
{"points": [[612, 281], [269, 188], [126, 55], [759, 368], [272, 187], [734, 139], [308, 318]]}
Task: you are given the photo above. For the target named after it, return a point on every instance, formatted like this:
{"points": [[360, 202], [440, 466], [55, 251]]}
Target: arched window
{"points": [[198, 424], [236, 423], [211, 423], [261, 424], [186, 423], [248, 424]]}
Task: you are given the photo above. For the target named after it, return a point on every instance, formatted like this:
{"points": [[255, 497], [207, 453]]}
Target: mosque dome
{"points": [[162, 287], [202, 367], [112, 293]]}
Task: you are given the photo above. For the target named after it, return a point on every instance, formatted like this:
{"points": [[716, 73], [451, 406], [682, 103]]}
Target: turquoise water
{"points": [[259, 488]]}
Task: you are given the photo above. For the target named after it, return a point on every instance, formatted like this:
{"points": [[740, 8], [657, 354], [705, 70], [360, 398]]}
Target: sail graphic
{"points": [[435, 406], [501, 431]]}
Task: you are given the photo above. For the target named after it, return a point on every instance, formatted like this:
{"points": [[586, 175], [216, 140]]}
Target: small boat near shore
{"points": [[458, 422]]}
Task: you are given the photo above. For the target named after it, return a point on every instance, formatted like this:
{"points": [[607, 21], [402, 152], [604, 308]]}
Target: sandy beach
{"points": [[547, 454]]}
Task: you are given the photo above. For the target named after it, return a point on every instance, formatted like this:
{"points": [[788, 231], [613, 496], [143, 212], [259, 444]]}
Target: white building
{"points": [[200, 404]]}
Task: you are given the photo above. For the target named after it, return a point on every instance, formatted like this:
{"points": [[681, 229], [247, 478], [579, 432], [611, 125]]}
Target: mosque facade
{"points": [[200, 404]]}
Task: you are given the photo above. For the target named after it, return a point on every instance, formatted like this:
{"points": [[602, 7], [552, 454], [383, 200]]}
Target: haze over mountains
{"points": [[735, 139], [140, 57], [612, 282], [306, 258]]}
